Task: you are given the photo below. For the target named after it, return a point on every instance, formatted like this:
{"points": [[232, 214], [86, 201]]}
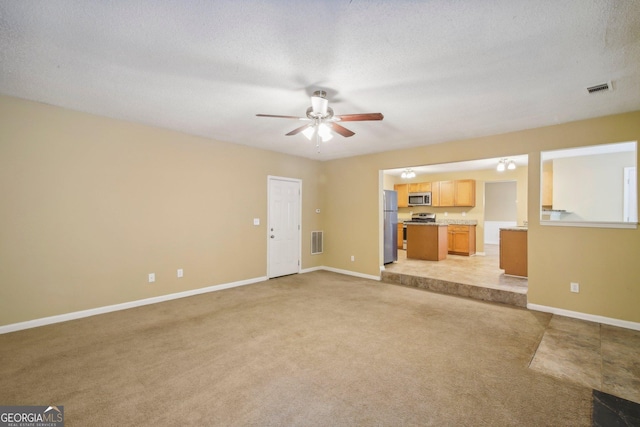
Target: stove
{"points": [[422, 217]]}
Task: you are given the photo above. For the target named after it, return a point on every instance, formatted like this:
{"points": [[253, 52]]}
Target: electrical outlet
{"points": [[575, 287], [353, 257], [180, 272], [152, 277]]}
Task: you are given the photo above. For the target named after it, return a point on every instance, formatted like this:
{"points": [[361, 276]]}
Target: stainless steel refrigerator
{"points": [[390, 212]]}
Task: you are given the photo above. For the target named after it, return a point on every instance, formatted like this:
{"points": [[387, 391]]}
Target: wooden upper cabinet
{"points": [[447, 193], [435, 193], [453, 193], [403, 194], [419, 187], [465, 192], [443, 193]]}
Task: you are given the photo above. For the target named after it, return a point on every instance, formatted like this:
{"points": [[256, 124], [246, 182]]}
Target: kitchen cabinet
{"points": [[461, 239], [453, 193], [435, 193], [465, 192], [400, 237], [419, 187], [513, 251], [403, 194], [428, 242], [447, 193]]}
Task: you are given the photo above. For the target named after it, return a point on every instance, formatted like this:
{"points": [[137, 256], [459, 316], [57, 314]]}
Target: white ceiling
{"points": [[438, 70]]}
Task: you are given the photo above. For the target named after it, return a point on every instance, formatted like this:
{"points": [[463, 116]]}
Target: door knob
{"points": [[272, 236]]}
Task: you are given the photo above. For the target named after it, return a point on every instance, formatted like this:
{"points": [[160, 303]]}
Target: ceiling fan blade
{"points": [[282, 117], [341, 130], [300, 129], [359, 117]]}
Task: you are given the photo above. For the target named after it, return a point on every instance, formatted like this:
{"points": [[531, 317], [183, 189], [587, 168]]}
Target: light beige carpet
{"points": [[312, 349]]}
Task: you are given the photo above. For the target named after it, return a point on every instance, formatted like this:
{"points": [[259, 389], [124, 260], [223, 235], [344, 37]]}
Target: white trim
{"points": [[351, 273], [584, 316], [340, 271], [123, 306], [309, 270]]}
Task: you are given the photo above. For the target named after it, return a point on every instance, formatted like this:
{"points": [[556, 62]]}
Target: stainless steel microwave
{"points": [[420, 199]]}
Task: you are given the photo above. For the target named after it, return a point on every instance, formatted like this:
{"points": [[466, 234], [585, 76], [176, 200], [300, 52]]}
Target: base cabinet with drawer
{"points": [[462, 239]]}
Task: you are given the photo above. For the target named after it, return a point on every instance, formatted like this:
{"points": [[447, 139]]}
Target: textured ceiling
{"points": [[438, 70]]}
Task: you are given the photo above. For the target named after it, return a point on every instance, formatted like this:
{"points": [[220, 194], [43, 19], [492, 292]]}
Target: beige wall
{"points": [[603, 261], [91, 205]]}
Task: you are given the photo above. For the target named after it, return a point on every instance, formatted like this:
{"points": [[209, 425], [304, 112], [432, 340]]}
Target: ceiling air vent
{"points": [[601, 87]]}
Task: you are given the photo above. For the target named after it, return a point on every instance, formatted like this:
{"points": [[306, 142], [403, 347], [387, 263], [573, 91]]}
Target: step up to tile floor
{"points": [[518, 299]]}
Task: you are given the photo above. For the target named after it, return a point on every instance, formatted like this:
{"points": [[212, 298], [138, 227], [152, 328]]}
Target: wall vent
{"points": [[316, 242], [601, 87]]}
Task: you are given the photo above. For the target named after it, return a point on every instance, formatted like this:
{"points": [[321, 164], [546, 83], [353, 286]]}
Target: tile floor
{"points": [[602, 357], [478, 270]]}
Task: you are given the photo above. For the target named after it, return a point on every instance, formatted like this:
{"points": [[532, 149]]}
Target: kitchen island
{"points": [[427, 241]]}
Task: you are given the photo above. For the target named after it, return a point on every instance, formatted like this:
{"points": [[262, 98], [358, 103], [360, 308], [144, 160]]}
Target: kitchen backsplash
{"points": [[452, 214]]}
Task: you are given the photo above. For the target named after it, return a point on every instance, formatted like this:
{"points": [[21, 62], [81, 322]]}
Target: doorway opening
{"points": [[500, 209], [500, 202]]}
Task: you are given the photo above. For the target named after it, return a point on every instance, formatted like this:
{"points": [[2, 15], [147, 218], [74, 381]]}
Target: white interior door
{"points": [[284, 226]]}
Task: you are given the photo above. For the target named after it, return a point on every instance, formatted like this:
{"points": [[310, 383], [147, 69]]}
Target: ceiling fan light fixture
{"points": [[325, 132], [308, 132], [324, 126], [319, 105]]}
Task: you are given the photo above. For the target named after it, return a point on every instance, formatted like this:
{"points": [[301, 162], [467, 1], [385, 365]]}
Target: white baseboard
{"points": [[309, 270], [352, 273], [123, 306], [338, 270], [584, 316]]}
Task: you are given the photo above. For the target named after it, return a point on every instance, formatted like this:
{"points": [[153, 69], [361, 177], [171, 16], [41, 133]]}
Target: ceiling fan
{"points": [[323, 121]]}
